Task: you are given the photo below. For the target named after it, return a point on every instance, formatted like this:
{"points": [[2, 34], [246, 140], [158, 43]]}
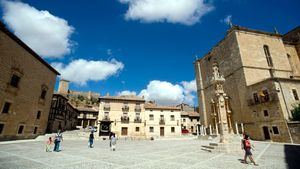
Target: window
{"points": [[266, 113], [172, 110], [275, 130], [14, 81], [183, 120], [6, 107], [151, 117], [43, 94], [172, 129], [265, 95], [255, 97], [138, 115], [1, 128], [161, 116], [268, 56], [20, 131], [172, 118], [161, 111], [35, 130], [295, 94], [151, 129], [106, 114], [38, 115], [137, 104], [137, 129]]}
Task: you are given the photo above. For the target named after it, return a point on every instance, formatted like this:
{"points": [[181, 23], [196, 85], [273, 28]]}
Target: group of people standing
{"points": [[57, 142]]}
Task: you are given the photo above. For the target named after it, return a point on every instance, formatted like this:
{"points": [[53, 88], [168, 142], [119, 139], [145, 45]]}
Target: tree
{"points": [[296, 113]]}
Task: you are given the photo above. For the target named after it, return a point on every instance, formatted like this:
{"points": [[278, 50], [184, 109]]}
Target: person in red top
{"points": [[247, 148], [48, 144]]}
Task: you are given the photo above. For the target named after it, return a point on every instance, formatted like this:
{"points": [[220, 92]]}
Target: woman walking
{"points": [[91, 139], [113, 142], [247, 147]]}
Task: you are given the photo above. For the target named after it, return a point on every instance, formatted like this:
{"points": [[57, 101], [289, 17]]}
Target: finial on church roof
{"points": [[275, 30]]}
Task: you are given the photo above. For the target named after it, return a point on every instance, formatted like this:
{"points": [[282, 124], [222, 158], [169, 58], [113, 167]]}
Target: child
{"points": [[113, 142], [48, 144]]}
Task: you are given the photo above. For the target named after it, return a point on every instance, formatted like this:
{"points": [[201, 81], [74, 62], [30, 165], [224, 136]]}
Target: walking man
{"points": [[91, 139], [57, 140]]}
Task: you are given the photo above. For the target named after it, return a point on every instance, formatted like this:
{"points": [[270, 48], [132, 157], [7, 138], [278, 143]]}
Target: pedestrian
{"points": [[48, 144], [247, 147], [57, 141], [91, 139], [113, 142], [109, 137]]}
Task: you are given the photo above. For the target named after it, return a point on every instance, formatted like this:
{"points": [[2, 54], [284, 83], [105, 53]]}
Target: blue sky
{"points": [[150, 53]]}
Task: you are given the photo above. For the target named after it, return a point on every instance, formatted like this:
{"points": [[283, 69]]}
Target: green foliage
{"points": [[296, 113]]}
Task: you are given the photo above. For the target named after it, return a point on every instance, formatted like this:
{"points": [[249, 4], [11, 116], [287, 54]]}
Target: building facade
{"points": [[26, 88], [261, 70], [122, 115], [87, 117], [62, 115], [190, 119], [162, 121], [131, 116]]}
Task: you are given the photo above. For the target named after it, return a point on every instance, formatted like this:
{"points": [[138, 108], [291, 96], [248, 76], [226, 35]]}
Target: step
{"points": [[213, 144], [208, 147], [205, 149]]}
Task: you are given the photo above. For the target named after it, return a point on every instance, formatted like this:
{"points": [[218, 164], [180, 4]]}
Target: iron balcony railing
{"points": [[263, 99], [137, 120], [162, 121], [125, 108], [124, 119]]}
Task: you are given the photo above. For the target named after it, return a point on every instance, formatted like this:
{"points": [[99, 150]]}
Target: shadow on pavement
{"points": [[292, 154]]}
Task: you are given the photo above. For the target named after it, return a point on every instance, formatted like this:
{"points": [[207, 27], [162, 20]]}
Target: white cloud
{"points": [[126, 93], [227, 20], [186, 12], [189, 86], [80, 71], [46, 34], [166, 93]]}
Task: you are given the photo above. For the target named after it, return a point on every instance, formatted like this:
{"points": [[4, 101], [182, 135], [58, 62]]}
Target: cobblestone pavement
{"points": [[159, 154]]}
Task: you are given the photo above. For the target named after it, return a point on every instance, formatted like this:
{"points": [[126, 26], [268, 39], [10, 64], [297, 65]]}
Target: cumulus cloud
{"points": [[126, 93], [46, 34], [80, 71], [166, 93], [187, 12], [227, 20], [189, 86]]}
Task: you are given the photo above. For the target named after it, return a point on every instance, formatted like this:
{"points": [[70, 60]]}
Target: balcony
{"points": [[137, 109], [124, 119], [105, 118], [106, 107], [162, 121], [125, 108], [263, 99], [137, 120]]}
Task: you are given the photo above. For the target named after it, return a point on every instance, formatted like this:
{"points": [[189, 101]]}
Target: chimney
{"points": [[63, 86]]}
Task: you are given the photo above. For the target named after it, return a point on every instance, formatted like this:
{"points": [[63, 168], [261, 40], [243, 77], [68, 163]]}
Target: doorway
{"points": [[124, 131], [266, 133], [162, 131]]}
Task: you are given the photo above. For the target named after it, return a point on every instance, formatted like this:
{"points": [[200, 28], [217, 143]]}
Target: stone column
{"points": [[205, 130], [82, 123], [210, 131], [88, 123], [242, 126], [217, 130], [236, 128]]}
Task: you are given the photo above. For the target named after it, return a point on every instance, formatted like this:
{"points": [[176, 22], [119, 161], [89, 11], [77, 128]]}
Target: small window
{"points": [[1, 128], [161, 111], [43, 94], [35, 130], [151, 110], [38, 115], [137, 104], [255, 97], [183, 120], [172, 110], [20, 131], [172, 129], [268, 56], [172, 118], [151, 117], [151, 129], [266, 113], [275, 130], [6, 107], [137, 129], [161, 116], [295, 94], [14, 81]]}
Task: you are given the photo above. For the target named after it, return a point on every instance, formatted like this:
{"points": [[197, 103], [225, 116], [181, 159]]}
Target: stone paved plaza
{"points": [[158, 154]]}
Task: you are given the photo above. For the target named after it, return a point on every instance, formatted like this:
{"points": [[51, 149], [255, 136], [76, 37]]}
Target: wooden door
{"points": [[124, 131], [266, 133], [162, 131]]}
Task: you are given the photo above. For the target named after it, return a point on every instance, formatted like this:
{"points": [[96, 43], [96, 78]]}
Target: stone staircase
{"points": [[234, 146]]}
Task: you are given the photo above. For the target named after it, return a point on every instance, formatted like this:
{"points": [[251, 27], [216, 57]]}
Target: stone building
{"points": [[190, 119], [162, 121], [62, 115], [26, 88], [123, 115], [87, 117], [262, 72], [130, 116]]}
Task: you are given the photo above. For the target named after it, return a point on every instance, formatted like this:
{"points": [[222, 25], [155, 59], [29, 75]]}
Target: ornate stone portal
{"points": [[220, 105]]}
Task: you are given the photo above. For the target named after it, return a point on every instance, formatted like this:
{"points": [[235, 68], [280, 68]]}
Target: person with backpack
{"points": [[58, 138], [247, 147]]}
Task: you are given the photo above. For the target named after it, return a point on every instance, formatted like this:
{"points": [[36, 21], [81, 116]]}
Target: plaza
{"points": [[157, 154]]}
